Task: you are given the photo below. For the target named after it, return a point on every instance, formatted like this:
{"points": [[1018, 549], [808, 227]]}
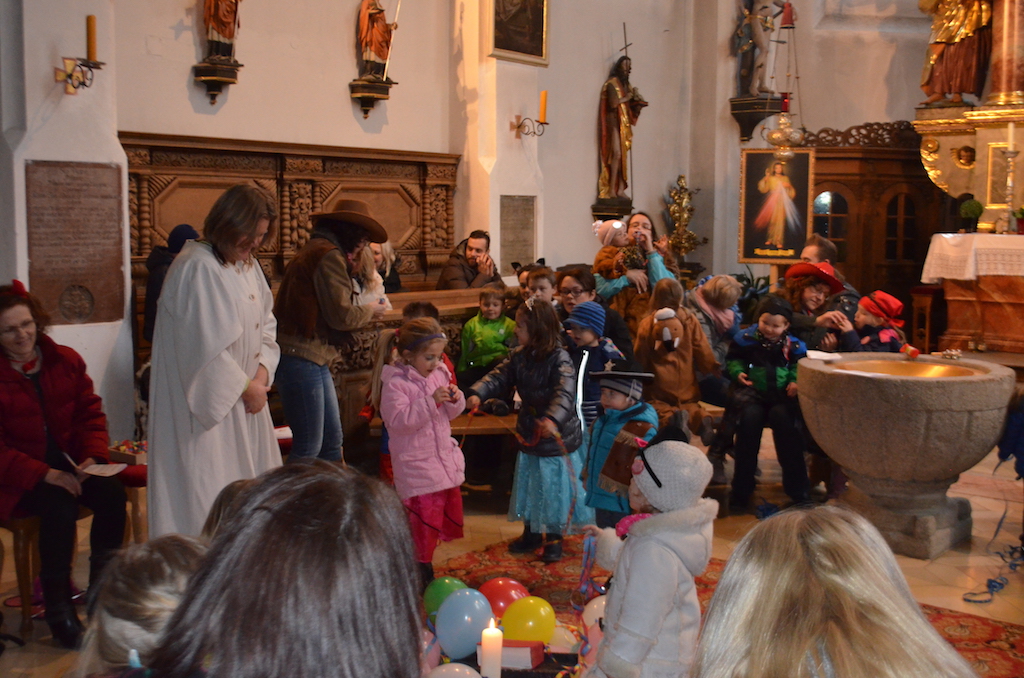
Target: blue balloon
{"points": [[461, 620]]}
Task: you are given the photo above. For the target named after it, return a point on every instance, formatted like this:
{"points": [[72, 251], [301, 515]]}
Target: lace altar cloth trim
{"points": [[965, 256]]}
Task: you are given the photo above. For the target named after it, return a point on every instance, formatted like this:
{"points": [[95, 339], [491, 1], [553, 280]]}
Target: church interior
{"points": [[119, 128]]}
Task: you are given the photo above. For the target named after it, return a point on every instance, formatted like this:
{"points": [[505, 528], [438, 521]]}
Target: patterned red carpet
{"points": [[996, 649]]}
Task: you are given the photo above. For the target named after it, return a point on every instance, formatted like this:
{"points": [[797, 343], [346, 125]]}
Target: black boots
{"points": [[552, 550], [529, 542], [60, 612]]}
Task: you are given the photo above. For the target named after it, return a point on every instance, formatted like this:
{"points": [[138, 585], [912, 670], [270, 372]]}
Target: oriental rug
{"points": [[995, 649]]}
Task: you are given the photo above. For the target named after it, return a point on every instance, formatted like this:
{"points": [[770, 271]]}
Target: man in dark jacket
{"points": [[158, 262], [470, 264]]}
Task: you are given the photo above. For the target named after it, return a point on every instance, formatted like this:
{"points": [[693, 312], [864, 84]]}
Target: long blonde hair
{"points": [[816, 593], [414, 335]]}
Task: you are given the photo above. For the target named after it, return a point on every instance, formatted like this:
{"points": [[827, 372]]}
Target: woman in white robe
{"points": [[214, 357]]}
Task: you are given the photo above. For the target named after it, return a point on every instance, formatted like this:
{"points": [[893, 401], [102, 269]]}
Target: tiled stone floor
{"points": [[940, 582]]}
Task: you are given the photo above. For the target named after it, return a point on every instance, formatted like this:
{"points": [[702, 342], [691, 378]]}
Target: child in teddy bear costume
{"points": [[652, 615], [671, 344]]}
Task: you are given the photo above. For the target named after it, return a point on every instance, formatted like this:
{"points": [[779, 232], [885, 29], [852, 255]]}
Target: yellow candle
{"points": [[90, 37], [490, 649], [543, 106], [1009, 137]]}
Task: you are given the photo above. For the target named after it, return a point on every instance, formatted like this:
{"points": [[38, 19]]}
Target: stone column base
{"points": [[924, 533]]}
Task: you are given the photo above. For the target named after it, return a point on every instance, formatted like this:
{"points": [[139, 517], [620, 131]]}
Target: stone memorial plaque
{"points": [[75, 240], [518, 219]]}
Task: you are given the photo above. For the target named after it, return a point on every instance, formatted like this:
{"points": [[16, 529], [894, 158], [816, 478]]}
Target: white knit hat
{"points": [[607, 230], [683, 471]]}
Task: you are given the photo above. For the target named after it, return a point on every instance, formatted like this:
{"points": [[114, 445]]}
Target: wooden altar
{"points": [[982, 277]]}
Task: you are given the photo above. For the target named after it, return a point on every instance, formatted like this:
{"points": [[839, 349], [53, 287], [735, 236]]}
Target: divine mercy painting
{"points": [[775, 206]]}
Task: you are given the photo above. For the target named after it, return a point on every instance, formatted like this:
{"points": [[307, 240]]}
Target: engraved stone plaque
{"points": [[75, 240], [518, 230]]}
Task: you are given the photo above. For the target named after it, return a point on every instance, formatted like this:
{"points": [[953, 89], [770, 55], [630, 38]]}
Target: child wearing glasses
{"points": [[652, 615]]}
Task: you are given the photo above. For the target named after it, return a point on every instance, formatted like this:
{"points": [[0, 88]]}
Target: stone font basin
{"points": [[904, 430]]}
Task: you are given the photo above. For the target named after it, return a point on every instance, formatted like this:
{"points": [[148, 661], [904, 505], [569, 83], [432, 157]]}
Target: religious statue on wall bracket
{"points": [[619, 109], [755, 100], [219, 68], [958, 50], [373, 40]]}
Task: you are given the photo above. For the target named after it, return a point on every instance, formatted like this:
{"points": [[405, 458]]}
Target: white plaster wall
{"points": [[298, 58], [42, 123]]}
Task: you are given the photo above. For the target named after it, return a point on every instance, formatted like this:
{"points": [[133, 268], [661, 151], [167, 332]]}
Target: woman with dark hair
{"points": [[313, 575], [318, 297], [808, 288], [52, 430], [644, 262], [214, 357], [576, 285]]}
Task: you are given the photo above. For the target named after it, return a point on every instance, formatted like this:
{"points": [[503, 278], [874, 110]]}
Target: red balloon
{"points": [[502, 592]]}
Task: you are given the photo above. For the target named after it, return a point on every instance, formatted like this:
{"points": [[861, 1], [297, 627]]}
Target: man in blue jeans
{"points": [[315, 299]]}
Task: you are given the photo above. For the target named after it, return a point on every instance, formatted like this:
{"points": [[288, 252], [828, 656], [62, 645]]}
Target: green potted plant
{"points": [[970, 211]]}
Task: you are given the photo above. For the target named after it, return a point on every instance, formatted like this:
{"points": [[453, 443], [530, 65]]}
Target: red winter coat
{"points": [[74, 414]]}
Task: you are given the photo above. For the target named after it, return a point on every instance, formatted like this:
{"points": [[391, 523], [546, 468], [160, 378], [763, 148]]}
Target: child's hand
{"points": [[473, 402], [453, 393], [843, 323], [791, 389], [548, 428], [592, 530], [442, 395], [744, 379]]}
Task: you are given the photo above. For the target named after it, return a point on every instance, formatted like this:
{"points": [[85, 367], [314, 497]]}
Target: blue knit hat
{"points": [[179, 236], [589, 315]]}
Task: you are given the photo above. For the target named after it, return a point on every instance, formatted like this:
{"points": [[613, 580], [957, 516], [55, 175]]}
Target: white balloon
{"points": [[594, 611], [564, 640], [453, 670]]}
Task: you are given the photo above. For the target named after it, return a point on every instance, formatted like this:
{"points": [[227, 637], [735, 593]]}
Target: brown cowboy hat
{"points": [[352, 213], [822, 271]]}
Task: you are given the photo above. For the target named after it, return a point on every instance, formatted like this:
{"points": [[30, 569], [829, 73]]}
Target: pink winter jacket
{"points": [[424, 455]]}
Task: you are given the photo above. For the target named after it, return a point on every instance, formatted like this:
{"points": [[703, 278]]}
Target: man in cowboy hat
{"points": [[314, 303]]}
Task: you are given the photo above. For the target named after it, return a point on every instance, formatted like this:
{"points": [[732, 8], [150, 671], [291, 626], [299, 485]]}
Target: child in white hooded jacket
{"points": [[652, 616]]}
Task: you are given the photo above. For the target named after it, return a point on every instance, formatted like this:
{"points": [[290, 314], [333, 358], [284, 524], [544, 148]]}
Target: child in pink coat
{"points": [[417, 404]]}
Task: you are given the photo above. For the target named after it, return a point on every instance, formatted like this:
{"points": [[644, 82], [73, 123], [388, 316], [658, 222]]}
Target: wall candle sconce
{"points": [[528, 126], [78, 72]]}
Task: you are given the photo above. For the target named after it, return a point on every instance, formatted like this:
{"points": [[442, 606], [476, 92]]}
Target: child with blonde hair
{"points": [[876, 325], [417, 404], [814, 594], [140, 590]]}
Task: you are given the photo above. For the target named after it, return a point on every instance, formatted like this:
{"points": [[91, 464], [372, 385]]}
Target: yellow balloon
{"points": [[529, 618]]}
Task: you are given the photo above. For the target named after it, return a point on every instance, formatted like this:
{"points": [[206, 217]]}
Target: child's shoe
{"points": [[552, 551], [527, 543], [707, 431], [718, 476]]}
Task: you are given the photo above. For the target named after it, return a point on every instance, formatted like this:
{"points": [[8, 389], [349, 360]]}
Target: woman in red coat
{"points": [[48, 414]]}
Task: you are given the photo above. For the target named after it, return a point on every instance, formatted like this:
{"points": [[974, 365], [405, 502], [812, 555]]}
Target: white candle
{"points": [[1009, 137], [490, 652]]}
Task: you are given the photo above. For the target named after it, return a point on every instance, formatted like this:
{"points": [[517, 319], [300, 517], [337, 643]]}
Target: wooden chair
{"points": [[26, 560]]}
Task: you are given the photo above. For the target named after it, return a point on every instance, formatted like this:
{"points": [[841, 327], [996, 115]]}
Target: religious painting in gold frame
{"points": [[519, 30], [995, 194], [776, 204]]}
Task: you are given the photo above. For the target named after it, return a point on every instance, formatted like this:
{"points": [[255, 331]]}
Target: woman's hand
{"points": [[643, 240], [829, 342], [65, 480], [255, 394], [829, 319], [744, 379], [548, 428], [81, 475], [661, 245], [638, 279]]}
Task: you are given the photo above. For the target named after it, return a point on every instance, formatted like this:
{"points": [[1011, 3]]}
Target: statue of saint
{"points": [[620, 108], [762, 23], [374, 41], [958, 49], [221, 20]]}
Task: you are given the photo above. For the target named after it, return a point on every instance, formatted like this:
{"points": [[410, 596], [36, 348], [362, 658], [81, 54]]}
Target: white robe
{"points": [[215, 326]]}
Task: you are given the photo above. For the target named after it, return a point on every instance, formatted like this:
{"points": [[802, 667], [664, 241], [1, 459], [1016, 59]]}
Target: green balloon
{"points": [[438, 590]]}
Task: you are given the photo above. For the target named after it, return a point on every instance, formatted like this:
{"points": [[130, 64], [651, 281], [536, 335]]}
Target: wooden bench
{"points": [[464, 425]]}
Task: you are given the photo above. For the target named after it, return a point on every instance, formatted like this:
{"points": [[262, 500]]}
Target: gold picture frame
{"points": [[995, 186], [761, 205], [519, 31]]}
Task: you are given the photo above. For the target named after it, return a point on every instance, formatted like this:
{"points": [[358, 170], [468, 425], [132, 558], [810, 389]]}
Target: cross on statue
{"points": [[625, 41]]}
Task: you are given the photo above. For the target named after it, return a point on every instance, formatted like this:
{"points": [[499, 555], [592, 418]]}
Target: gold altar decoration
{"points": [[682, 240]]}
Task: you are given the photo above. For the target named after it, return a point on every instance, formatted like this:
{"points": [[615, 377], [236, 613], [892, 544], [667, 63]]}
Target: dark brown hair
{"points": [[236, 216], [827, 250], [419, 309], [667, 293], [492, 293], [582, 275], [313, 576], [542, 326], [541, 273], [9, 299], [480, 235], [223, 507]]}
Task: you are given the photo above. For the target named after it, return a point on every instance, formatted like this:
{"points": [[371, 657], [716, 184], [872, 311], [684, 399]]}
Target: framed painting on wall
{"points": [[520, 30], [776, 200]]}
